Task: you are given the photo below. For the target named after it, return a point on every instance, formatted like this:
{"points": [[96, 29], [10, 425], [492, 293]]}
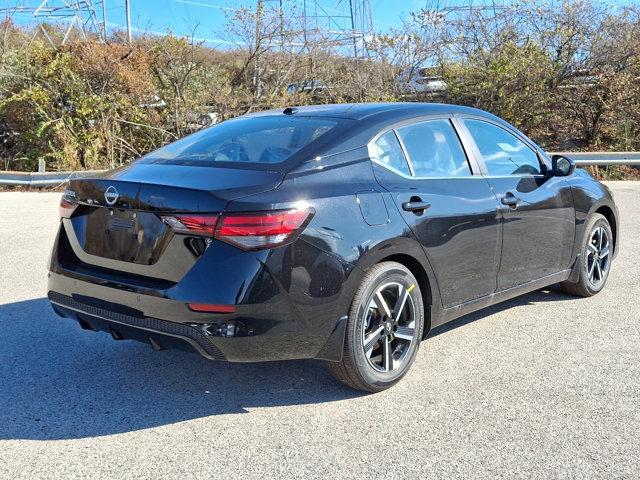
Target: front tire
{"points": [[595, 261], [384, 329]]}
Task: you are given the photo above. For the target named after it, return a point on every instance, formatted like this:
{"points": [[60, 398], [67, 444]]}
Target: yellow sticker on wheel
{"points": [[411, 288]]}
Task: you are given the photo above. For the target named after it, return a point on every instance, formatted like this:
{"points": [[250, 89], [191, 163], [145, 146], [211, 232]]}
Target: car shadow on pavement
{"points": [[59, 382], [539, 296]]}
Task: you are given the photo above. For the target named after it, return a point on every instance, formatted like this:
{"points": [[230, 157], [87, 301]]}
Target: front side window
{"points": [[251, 140], [434, 149], [388, 152], [503, 153]]}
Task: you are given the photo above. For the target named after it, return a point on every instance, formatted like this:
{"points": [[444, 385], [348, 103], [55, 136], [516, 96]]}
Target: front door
{"points": [[537, 208], [450, 207]]}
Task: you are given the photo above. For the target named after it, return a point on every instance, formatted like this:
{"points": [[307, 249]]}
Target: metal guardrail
{"points": [[44, 179], [56, 179], [584, 159]]}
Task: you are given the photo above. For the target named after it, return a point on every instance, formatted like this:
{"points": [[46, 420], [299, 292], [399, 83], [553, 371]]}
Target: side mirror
{"points": [[563, 166]]}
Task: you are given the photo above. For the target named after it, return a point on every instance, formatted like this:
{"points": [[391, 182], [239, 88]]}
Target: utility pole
{"points": [[104, 20], [128, 12], [304, 24], [259, 13], [258, 41], [281, 19]]}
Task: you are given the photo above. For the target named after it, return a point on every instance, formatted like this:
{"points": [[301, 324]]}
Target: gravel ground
{"points": [[543, 386]]}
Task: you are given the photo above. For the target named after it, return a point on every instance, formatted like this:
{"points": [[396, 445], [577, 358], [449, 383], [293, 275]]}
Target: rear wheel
{"points": [[597, 250], [384, 329]]}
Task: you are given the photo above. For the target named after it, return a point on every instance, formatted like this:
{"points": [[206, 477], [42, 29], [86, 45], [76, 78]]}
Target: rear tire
{"points": [[595, 261], [384, 329]]}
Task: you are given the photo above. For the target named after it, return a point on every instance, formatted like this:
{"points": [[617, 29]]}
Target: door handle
{"points": [[418, 206], [510, 199]]}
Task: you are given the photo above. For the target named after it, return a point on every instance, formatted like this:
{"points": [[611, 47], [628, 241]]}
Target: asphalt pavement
{"points": [[543, 386]]}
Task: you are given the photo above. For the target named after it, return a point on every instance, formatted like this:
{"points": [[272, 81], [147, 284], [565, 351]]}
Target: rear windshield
{"points": [[252, 140]]}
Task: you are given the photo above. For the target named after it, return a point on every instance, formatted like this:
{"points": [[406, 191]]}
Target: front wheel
{"points": [[384, 329], [597, 252]]}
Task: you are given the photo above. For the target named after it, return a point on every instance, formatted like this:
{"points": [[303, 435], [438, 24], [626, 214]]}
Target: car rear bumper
{"points": [[161, 334], [276, 329]]}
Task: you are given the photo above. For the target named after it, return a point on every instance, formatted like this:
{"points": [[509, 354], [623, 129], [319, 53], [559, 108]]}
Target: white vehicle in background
{"points": [[203, 117], [420, 80], [206, 119]]}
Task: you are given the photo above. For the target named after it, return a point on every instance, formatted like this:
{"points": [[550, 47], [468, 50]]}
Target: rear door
{"points": [[539, 218], [448, 205]]}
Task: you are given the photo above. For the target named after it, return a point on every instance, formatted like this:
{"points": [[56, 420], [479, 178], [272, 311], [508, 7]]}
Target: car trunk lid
{"points": [[118, 223]]}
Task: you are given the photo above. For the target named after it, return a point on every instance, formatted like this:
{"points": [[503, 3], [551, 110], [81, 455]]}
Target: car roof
{"points": [[360, 122], [361, 111]]}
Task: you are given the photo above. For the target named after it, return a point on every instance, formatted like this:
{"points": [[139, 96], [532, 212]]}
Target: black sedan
{"points": [[338, 232]]}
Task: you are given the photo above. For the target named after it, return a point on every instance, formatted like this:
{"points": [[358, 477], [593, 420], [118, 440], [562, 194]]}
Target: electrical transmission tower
{"points": [[437, 12], [75, 15], [341, 23]]}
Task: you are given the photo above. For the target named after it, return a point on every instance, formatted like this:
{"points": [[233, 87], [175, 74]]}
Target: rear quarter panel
{"points": [[350, 245]]}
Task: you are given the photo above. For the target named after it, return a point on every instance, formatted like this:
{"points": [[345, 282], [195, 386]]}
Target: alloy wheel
{"points": [[598, 256], [389, 326]]}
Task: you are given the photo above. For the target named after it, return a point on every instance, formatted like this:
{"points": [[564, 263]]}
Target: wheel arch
{"points": [[407, 251], [609, 214]]}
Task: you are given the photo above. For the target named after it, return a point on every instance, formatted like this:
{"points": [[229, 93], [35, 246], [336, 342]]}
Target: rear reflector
{"points": [[68, 204], [258, 230], [211, 308]]}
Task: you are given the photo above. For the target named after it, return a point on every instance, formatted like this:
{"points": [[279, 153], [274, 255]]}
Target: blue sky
{"points": [[207, 17]]}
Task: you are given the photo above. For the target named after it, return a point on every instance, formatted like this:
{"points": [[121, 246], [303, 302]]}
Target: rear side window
{"points": [[434, 149], [503, 153], [387, 151], [254, 140]]}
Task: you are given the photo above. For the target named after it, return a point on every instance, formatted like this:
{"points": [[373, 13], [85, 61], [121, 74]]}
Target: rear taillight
{"points": [[245, 230], [192, 224], [68, 203], [258, 230]]}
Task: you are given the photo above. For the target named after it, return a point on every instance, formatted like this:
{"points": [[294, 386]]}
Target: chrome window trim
{"points": [[519, 175], [384, 165]]}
